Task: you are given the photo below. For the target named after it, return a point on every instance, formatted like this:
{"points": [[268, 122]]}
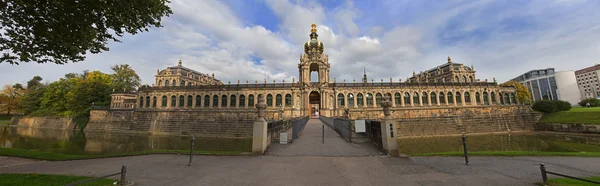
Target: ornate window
{"points": [[501, 98], [164, 101], [160, 83], [141, 101], [359, 100], [269, 100], [486, 100], [467, 97], [147, 101], [278, 100], [513, 99], [350, 100], [506, 98], [340, 100], [182, 83], [288, 100], [206, 101], [424, 98], [251, 100], [174, 83], [471, 79], [433, 98], [190, 101], [416, 98], [215, 101], [406, 98], [450, 98], [442, 98], [198, 101], [458, 98], [397, 98], [369, 99], [493, 95], [173, 101], [378, 98], [242, 100], [166, 83], [232, 101], [223, 101], [181, 101], [464, 79], [456, 79], [477, 98], [154, 101]]}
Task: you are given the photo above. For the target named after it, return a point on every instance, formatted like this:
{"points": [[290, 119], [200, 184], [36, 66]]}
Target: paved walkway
{"points": [[310, 143], [314, 170]]}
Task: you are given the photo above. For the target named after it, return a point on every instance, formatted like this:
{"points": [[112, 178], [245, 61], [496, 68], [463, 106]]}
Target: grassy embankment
{"points": [[571, 182], [577, 115], [41, 155], [48, 180]]}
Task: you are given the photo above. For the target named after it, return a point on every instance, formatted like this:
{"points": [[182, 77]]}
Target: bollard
{"points": [[464, 139], [191, 151], [123, 173], [544, 176], [323, 134]]}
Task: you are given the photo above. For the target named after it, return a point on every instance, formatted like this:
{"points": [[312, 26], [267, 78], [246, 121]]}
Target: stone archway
{"points": [[314, 100]]}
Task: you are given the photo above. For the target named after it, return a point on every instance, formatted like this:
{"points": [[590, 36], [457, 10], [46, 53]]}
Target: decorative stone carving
{"points": [[261, 106], [386, 104]]}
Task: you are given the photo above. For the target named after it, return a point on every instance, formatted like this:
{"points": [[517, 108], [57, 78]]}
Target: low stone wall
{"points": [[43, 122], [202, 123], [577, 128]]}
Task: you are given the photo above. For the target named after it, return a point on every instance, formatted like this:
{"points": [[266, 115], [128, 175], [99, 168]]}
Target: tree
{"points": [[125, 78], [11, 96], [32, 99], [64, 31], [523, 94]]}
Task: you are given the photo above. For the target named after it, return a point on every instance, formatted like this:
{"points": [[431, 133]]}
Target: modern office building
{"points": [[546, 84], [587, 81]]}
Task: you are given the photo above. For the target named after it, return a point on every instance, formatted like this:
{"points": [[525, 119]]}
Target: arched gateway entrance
{"points": [[314, 100]]}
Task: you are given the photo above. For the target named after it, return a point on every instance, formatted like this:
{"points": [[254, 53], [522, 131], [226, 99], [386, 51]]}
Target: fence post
{"points": [[191, 150], [323, 134], [464, 140], [350, 129], [123, 173], [544, 175]]}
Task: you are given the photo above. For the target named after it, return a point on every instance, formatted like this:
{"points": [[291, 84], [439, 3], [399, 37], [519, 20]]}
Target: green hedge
{"points": [[593, 102], [551, 106]]}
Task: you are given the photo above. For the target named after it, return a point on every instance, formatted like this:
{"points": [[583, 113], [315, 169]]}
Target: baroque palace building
{"points": [[182, 89]]}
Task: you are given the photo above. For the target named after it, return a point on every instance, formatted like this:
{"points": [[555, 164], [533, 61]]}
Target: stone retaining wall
{"points": [[578, 128], [43, 122]]}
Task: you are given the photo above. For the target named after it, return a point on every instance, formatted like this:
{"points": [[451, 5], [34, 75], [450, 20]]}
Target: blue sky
{"points": [[262, 39]]}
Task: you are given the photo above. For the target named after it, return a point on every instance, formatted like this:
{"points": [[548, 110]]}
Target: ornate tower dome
{"points": [[314, 42]]}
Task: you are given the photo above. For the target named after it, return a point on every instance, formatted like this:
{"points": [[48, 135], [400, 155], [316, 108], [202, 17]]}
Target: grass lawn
{"points": [[512, 153], [4, 122], [41, 155], [575, 115], [48, 180], [571, 182]]}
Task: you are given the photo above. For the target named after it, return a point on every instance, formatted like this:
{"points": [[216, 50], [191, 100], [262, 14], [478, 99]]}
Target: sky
{"points": [[262, 39]]}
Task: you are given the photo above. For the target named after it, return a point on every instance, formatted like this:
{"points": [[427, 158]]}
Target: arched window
{"points": [[406, 98], [442, 98], [223, 101], [456, 79], [164, 101], [190, 101], [278, 100], [288, 100], [181, 101], [416, 98], [378, 98], [369, 99], [470, 78], [232, 101], [458, 98], [242, 100], [174, 83], [251, 100], [160, 83], [198, 101], [215, 101], [477, 98], [433, 98], [513, 98], [350, 100], [486, 100], [501, 98], [424, 98], [269, 100], [467, 97], [450, 98], [506, 98], [141, 101], [340, 99], [206, 101], [359, 100], [464, 79], [189, 84], [493, 95], [154, 101], [166, 83], [147, 101], [182, 83], [173, 101], [397, 98]]}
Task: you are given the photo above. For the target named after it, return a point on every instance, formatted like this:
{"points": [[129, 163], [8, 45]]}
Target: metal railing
{"points": [[343, 127], [122, 181], [545, 176]]}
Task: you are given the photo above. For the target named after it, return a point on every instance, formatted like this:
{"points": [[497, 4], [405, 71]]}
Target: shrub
{"points": [[593, 102], [550, 106]]}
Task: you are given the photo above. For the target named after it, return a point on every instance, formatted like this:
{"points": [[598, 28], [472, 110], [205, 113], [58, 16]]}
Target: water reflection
{"points": [[77, 142], [549, 142]]}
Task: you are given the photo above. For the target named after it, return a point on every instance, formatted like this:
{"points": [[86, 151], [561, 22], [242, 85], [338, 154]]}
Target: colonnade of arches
{"points": [[450, 98], [196, 101]]}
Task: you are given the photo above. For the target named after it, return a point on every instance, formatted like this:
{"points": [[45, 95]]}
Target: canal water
{"points": [[522, 141], [78, 142]]}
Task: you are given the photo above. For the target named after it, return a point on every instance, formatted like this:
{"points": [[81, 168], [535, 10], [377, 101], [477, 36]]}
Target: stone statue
{"points": [[261, 106], [386, 104]]}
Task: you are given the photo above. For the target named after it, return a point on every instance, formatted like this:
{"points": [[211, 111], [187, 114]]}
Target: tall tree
{"points": [[523, 95], [63, 31], [32, 99], [11, 97], [125, 78]]}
